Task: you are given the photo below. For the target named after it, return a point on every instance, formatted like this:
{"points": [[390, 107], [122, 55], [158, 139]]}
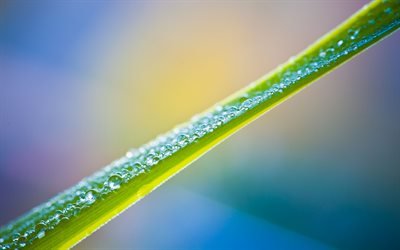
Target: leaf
{"points": [[77, 212]]}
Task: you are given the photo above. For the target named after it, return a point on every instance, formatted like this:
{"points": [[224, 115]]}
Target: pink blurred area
{"points": [[82, 82]]}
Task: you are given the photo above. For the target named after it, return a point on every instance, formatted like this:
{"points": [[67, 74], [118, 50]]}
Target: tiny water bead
{"points": [[129, 154], [40, 230], [166, 150], [151, 160], [182, 140], [353, 33], [16, 237], [114, 182], [128, 167], [91, 196], [137, 167], [22, 241], [58, 215], [388, 10], [41, 234]]}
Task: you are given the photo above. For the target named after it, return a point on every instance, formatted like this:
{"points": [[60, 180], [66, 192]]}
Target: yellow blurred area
{"points": [[175, 60]]}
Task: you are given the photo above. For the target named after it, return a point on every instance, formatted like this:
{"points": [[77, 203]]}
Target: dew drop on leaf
{"points": [[114, 182], [40, 230], [91, 196], [182, 140], [353, 34], [151, 160], [388, 10]]}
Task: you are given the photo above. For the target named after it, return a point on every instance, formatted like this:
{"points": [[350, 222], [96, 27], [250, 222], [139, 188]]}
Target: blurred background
{"points": [[81, 82]]}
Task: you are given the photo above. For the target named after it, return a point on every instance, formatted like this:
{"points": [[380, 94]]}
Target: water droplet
{"points": [[388, 10], [166, 150], [137, 171], [137, 165], [194, 136], [217, 122], [41, 234], [40, 230], [182, 140], [22, 241], [130, 153], [206, 127], [322, 54], [340, 43], [151, 160], [126, 173], [128, 167], [114, 182], [91, 196], [63, 219], [30, 234], [246, 105], [353, 34], [16, 236], [70, 207], [58, 214]]}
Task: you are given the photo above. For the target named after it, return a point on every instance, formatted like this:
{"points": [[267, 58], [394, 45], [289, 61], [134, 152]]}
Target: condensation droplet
{"points": [[91, 196], [353, 34], [137, 168], [340, 43], [114, 182], [246, 105], [40, 230], [41, 234], [129, 154], [16, 237], [151, 160], [182, 140], [22, 241], [388, 10]]}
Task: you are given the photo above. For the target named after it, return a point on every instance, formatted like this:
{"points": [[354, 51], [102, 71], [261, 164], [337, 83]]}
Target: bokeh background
{"points": [[81, 82]]}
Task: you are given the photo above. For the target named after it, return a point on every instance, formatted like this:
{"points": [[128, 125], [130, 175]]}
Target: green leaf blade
{"points": [[79, 211]]}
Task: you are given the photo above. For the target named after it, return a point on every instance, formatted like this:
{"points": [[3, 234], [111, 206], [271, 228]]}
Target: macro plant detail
{"points": [[77, 212]]}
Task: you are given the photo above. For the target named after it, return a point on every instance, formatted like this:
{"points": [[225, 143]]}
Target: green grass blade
{"points": [[76, 213]]}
